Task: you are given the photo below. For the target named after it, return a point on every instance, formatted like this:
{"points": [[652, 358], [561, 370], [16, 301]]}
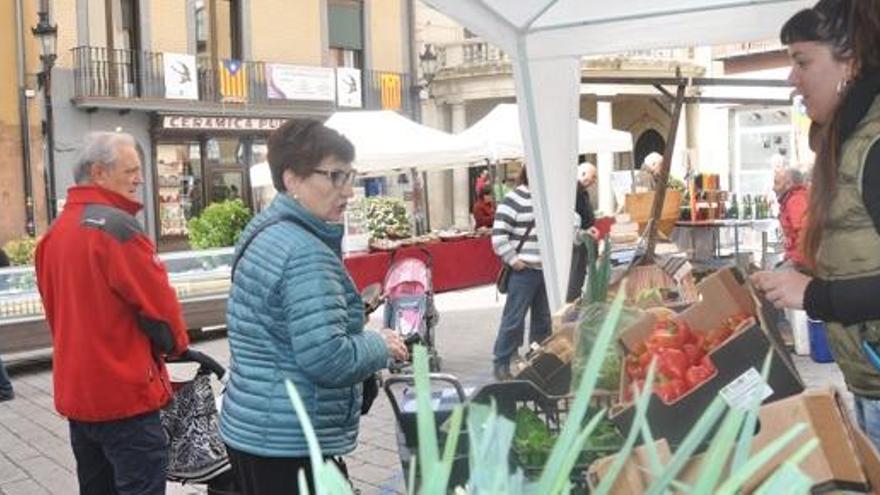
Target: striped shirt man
{"points": [[512, 218]]}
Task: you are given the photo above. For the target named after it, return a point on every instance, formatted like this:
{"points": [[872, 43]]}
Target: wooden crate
{"points": [[639, 205]]}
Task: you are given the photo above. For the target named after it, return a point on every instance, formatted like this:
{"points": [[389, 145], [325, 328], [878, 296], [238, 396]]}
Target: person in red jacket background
{"points": [[114, 317], [484, 208], [793, 197]]}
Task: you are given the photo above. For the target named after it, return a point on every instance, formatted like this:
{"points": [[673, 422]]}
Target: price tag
{"points": [[748, 389]]}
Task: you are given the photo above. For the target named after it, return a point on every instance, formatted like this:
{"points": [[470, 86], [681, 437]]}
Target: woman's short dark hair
{"points": [[828, 22], [300, 145]]}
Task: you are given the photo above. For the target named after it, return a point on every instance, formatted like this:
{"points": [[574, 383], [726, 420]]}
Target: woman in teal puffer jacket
{"points": [[294, 313]]}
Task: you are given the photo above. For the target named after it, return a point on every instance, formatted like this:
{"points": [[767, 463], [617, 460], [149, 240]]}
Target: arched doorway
{"points": [[647, 143]]}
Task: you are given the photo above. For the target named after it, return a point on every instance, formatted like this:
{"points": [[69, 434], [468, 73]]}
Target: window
{"points": [[346, 21], [759, 134], [217, 29], [342, 57]]}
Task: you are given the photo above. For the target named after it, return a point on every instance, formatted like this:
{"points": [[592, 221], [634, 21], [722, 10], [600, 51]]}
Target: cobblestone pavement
{"points": [[35, 456]]}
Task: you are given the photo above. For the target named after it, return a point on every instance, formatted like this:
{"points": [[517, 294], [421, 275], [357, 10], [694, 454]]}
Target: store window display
{"points": [[179, 177]]}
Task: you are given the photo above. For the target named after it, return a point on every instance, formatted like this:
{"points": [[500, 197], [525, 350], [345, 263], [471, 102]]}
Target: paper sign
{"points": [[747, 390], [181, 80]]}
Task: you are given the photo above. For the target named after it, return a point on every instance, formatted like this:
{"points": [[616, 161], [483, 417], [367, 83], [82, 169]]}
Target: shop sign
{"points": [[348, 87], [296, 82], [181, 81], [221, 123]]}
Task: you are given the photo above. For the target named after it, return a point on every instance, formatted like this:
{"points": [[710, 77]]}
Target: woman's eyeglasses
{"points": [[339, 178]]}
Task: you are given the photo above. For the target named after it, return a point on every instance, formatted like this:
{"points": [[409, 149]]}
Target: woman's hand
{"points": [[518, 266], [395, 344], [785, 289]]}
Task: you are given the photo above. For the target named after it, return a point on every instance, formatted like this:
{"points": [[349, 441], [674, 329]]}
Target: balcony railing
{"points": [[750, 48], [389, 91], [470, 54], [112, 73], [474, 54]]}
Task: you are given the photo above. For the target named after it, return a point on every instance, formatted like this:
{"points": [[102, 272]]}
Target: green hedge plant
{"points": [[386, 218], [219, 225], [21, 251]]}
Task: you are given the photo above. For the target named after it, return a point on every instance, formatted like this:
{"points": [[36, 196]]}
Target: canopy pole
{"points": [[660, 186]]}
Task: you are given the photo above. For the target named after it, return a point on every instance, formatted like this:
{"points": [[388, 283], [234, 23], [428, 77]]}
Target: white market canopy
{"points": [[501, 137], [385, 141], [545, 40]]}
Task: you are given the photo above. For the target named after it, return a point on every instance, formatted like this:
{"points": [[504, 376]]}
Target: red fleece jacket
{"points": [[98, 275], [792, 219]]}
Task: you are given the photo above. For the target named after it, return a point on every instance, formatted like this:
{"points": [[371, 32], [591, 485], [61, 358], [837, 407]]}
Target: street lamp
{"points": [[47, 34], [428, 63]]}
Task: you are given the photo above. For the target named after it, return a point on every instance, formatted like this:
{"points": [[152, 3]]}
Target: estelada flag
{"points": [[233, 81]]}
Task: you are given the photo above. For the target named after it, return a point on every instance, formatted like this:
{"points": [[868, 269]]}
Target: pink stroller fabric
{"points": [[408, 277]]}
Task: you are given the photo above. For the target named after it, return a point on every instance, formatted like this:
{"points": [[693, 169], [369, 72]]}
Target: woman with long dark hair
{"points": [[835, 52]]}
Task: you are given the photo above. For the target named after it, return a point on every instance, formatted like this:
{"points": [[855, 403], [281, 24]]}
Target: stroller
{"points": [[409, 304], [196, 453]]}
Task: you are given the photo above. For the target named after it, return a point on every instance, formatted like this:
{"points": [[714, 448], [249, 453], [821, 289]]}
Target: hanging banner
{"points": [[296, 82], [181, 81], [348, 87], [391, 90], [233, 81]]}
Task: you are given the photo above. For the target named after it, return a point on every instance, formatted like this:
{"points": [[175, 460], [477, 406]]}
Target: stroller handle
{"points": [[429, 258], [207, 362], [392, 381]]}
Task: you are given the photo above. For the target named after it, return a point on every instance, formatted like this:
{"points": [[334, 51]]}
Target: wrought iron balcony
{"points": [[140, 75]]}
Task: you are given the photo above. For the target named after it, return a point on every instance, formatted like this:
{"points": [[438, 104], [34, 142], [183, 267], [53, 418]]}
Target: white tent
{"points": [[545, 40], [500, 135], [385, 141]]}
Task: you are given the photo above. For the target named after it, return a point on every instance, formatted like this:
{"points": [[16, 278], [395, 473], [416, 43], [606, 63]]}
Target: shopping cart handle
{"points": [[392, 381], [204, 360]]}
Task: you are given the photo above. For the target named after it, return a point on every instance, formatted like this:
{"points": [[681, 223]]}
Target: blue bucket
{"points": [[819, 350]]}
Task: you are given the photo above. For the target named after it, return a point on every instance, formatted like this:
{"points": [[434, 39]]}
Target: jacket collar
{"points": [[98, 195], [329, 233], [858, 101], [791, 190]]}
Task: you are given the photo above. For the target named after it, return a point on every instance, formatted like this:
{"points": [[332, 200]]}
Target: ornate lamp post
{"points": [[428, 63], [47, 34]]}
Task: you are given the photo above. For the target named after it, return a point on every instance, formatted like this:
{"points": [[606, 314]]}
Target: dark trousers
{"points": [[525, 294], [578, 272], [5, 383], [126, 457], [258, 475]]}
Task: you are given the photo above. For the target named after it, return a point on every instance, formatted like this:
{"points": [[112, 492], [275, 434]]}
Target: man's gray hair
{"points": [[100, 147], [795, 176]]}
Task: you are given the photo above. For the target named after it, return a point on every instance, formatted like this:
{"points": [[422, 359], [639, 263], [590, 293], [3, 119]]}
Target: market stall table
{"points": [[713, 227], [458, 264]]}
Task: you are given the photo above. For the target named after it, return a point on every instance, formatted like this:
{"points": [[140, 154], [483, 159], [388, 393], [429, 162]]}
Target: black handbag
{"points": [[370, 386], [502, 280]]}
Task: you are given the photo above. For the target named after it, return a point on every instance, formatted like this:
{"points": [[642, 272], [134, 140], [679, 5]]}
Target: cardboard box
{"points": [[549, 366], [723, 294], [844, 460]]}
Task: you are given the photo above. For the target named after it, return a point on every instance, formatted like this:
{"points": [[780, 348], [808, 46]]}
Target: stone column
{"points": [[460, 187], [439, 183], [605, 161]]}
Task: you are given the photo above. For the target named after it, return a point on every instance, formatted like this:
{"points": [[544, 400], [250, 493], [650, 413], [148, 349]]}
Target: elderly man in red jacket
{"points": [[113, 317], [792, 194]]}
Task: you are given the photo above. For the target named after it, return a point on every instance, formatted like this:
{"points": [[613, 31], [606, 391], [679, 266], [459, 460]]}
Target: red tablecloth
{"points": [[457, 264]]}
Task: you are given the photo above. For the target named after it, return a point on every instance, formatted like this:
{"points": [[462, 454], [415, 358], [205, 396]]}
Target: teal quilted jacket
{"points": [[294, 313]]}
